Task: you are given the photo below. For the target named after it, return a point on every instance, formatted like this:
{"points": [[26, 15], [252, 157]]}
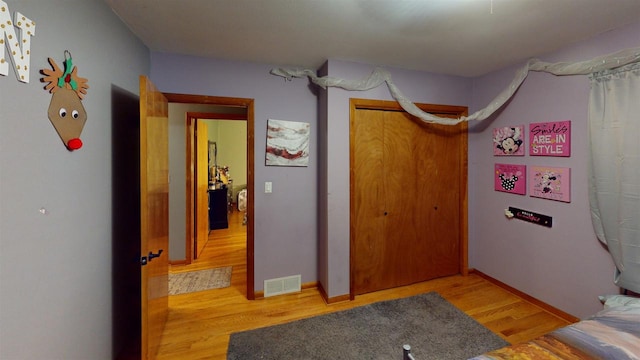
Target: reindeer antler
{"points": [[68, 79], [52, 76], [82, 86]]}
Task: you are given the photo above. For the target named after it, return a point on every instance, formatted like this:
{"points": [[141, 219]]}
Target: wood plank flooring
{"points": [[200, 323]]}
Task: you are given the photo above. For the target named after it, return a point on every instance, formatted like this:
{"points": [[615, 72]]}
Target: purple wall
{"points": [[285, 220], [564, 266], [418, 86], [61, 289], [303, 226]]}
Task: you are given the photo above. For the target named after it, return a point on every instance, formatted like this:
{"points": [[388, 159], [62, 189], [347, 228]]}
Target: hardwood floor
{"points": [[200, 324]]}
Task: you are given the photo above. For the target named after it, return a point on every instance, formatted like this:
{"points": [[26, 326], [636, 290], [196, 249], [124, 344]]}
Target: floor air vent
{"points": [[283, 285]]}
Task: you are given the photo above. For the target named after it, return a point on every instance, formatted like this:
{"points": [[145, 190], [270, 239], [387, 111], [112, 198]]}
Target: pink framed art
{"points": [[508, 140], [553, 183], [510, 178], [550, 138]]}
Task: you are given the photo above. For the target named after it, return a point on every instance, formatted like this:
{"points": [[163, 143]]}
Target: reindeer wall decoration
{"points": [[66, 112]]}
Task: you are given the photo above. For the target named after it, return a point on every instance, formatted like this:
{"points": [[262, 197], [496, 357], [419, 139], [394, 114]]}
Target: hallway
{"points": [[225, 247]]}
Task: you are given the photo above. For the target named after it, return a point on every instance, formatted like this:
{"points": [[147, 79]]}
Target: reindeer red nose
{"points": [[74, 144]]}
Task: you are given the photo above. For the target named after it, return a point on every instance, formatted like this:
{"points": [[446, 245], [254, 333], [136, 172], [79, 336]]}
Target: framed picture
{"points": [[553, 183], [550, 138], [510, 178], [213, 154], [508, 140], [287, 143]]}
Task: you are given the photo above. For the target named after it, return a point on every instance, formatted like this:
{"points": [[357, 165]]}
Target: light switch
{"points": [[268, 188]]}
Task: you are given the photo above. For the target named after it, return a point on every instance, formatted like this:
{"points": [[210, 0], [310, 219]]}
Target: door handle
{"points": [[153, 256]]}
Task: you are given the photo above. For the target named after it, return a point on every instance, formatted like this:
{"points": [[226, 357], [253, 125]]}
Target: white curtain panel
{"points": [[614, 178], [380, 76]]}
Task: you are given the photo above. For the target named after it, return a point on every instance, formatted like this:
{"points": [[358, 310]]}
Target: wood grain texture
{"points": [[200, 324], [202, 187], [154, 214], [369, 194], [190, 193], [407, 199]]}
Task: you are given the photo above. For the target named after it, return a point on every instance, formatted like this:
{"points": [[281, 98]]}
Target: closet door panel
{"points": [[368, 196], [438, 175], [406, 199], [400, 222]]}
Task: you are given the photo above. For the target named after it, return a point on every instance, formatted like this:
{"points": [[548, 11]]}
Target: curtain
{"points": [[614, 172], [380, 76]]}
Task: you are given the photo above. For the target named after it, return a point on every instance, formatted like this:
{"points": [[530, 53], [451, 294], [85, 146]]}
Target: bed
{"points": [[613, 333]]}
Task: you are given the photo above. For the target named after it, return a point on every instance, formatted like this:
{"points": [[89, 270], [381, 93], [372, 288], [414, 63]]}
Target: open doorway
{"points": [[193, 194], [220, 176]]}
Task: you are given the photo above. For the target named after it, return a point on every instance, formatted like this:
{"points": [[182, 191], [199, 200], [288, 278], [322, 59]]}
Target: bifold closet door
{"points": [[406, 200]]}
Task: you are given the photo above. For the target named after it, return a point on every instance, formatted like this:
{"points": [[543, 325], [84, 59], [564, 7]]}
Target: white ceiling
{"points": [[457, 37]]}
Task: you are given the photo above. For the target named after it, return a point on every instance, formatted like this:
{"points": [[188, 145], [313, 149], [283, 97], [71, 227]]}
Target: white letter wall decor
{"points": [[19, 46]]}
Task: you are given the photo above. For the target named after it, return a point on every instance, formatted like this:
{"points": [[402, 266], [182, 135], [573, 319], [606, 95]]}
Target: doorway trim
{"points": [[247, 104], [441, 110]]}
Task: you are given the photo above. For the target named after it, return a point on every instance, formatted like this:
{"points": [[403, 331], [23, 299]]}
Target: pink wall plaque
{"points": [[552, 183], [510, 178], [508, 140], [550, 138]]}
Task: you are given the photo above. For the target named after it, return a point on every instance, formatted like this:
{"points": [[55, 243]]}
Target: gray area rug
{"points": [[432, 326], [187, 282]]}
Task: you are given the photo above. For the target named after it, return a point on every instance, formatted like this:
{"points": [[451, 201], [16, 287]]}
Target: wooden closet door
{"points": [[406, 200], [402, 221], [435, 176], [369, 189]]}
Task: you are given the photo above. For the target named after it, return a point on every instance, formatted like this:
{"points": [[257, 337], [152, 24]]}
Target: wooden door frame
{"points": [[191, 243], [247, 104], [193, 167], [457, 111]]}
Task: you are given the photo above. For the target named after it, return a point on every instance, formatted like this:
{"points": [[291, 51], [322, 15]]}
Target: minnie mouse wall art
{"points": [[66, 112], [551, 183], [510, 178], [508, 140]]}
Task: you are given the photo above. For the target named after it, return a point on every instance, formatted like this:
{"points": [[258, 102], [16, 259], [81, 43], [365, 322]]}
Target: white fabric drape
{"points": [[380, 76], [614, 174]]}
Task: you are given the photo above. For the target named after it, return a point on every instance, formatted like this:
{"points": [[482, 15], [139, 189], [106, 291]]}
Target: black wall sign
{"points": [[532, 217]]}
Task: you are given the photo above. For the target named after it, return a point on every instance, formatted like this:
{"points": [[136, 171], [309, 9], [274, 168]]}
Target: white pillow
{"points": [[610, 301]]}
